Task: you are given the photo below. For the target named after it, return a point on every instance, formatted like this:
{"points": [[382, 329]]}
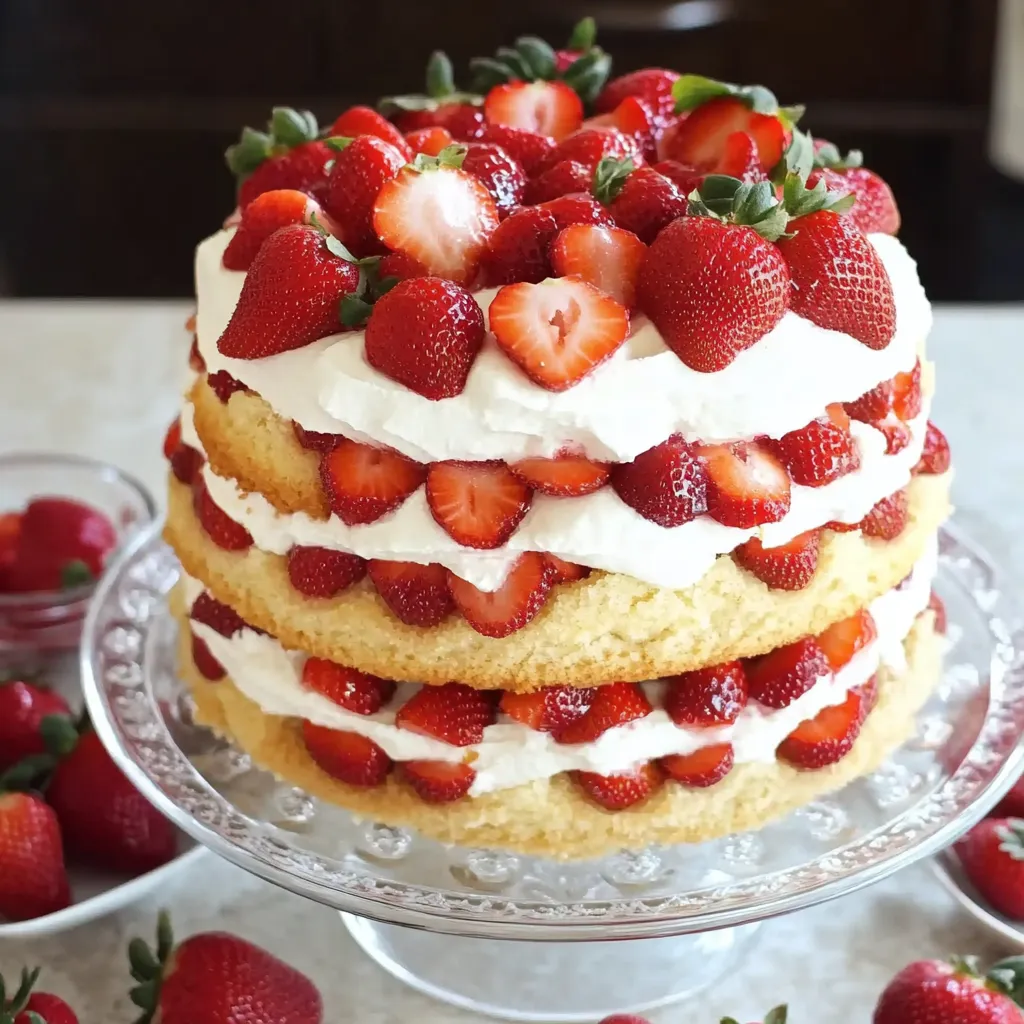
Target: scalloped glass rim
{"points": [[132, 725]]}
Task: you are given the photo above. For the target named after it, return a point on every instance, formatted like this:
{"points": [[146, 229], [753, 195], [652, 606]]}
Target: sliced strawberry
{"points": [[777, 678], [636, 120], [315, 440], [547, 108], [577, 209], [513, 605], [666, 484], [417, 594], [366, 121], [701, 139], [906, 401], [843, 639], [888, 519], [936, 605], [896, 433], [935, 458], [789, 566], [611, 705], [425, 333], [607, 258], [837, 527], [643, 202], [195, 359], [478, 504], [557, 331], [550, 709], [617, 792], [500, 173], [653, 85], [747, 485], [565, 572], [223, 385], [452, 713], [218, 616], [303, 168], [441, 216], [206, 664], [707, 696], [821, 452], [868, 693], [346, 756], [683, 176], [363, 483], [10, 533], [262, 217], [321, 572], [186, 463], [172, 439], [826, 738], [217, 524], [437, 782], [873, 405], [564, 476], [518, 250], [740, 158], [429, 141], [590, 146], [530, 149], [702, 768], [567, 177], [348, 688]]}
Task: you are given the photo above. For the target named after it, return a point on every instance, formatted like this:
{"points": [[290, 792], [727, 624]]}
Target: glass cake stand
{"points": [[439, 918]]}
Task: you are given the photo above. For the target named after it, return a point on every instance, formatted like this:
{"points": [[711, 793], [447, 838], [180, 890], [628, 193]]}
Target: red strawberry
{"points": [[346, 756], [478, 504], [1012, 805], [315, 440], [366, 121], [653, 85], [666, 484], [789, 566], [875, 208], [557, 331], [501, 175], [607, 258], [906, 399], [826, 738], [262, 217], [777, 678], [888, 519], [821, 452], [548, 108], [360, 171], [518, 249], [33, 881], [186, 463], [437, 782], [398, 264], [23, 709], [465, 121], [364, 483], [429, 141], [643, 202], [567, 177], [747, 485], [417, 594], [425, 333], [843, 639], [564, 476], [290, 296], [321, 572], [215, 977], [171, 441], [590, 146], [868, 693], [550, 709], [441, 216], [303, 168], [562, 571], [10, 531], [217, 524], [895, 432], [452, 713], [353, 690], [707, 696], [105, 821], [217, 615], [24, 1006], [530, 149], [936, 604], [223, 385], [873, 405], [740, 158], [206, 664], [712, 290], [683, 176], [617, 792], [935, 458], [635, 119], [839, 280], [701, 140], [611, 705], [703, 768], [499, 613], [577, 209]]}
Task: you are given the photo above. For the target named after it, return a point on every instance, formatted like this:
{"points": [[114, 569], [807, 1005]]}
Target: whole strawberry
{"points": [[28, 1007], [33, 881], [217, 978], [992, 854], [777, 1016], [23, 708]]}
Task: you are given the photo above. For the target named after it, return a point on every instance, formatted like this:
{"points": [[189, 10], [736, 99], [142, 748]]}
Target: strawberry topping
{"points": [[562, 571], [437, 782], [321, 572], [500, 173], [776, 679], [702, 768], [478, 504], [826, 738], [821, 452], [452, 713], [346, 756], [707, 696], [888, 519], [518, 250], [261, 218], [564, 476], [530, 150], [499, 613], [352, 690], [363, 483], [217, 524], [843, 639], [416, 594], [607, 258], [935, 458], [666, 484], [547, 108], [366, 121], [747, 485], [789, 566], [550, 709], [617, 792], [611, 705]]}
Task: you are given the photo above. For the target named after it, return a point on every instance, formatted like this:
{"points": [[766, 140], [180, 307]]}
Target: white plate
{"points": [[951, 874]]}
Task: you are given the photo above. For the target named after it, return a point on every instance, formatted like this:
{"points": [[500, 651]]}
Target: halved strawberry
{"points": [[701, 139], [906, 400], [531, 149], [707, 696], [625, 789], [437, 782], [172, 439], [321, 572], [550, 709], [590, 146], [777, 678], [873, 405], [935, 458], [346, 756], [747, 485], [440, 215], [740, 158], [216, 523], [826, 738], [518, 250], [223, 385], [703, 768], [429, 141], [889, 517], [347, 687], [607, 258], [464, 120], [417, 594], [611, 705], [363, 483], [936, 605], [789, 566], [547, 108], [218, 616], [843, 639], [653, 85], [821, 452], [366, 121], [557, 331], [636, 120], [452, 713], [868, 693], [262, 217], [315, 440], [500, 612], [565, 572], [478, 504], [666, 484], [564, 476], [642, 201], [206, 664], [567, 177]]}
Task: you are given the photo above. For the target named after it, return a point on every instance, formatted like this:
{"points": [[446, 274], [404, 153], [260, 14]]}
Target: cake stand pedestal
{"points": [[526, 938]]}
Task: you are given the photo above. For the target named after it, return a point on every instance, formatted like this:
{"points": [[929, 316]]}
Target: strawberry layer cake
{"points": [[557, 474]]}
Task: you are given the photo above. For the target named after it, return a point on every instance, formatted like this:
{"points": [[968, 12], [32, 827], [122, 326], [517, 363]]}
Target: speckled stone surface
{"points": [[102, 379]]}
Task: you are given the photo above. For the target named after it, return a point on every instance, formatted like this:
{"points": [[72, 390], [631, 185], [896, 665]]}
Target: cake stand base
{"points": [[553, 982]]}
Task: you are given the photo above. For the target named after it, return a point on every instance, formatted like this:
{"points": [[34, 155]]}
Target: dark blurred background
{"points": [[114, 114]]}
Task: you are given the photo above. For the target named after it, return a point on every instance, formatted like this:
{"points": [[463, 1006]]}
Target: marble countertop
{"points": [[103, 378]]}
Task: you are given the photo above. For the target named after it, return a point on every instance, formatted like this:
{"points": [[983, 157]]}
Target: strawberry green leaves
{"points": [[751, 205], [286, 129], [609, 178], [441, 89], [692, 91]]}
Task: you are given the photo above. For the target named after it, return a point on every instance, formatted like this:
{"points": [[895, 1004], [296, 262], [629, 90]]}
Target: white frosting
{"points": [[512, 754], [643, 394]]}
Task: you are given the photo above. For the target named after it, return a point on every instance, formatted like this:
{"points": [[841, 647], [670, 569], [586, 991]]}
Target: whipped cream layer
{"points": [[598, 530], [512, 754], [640, 396]]}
